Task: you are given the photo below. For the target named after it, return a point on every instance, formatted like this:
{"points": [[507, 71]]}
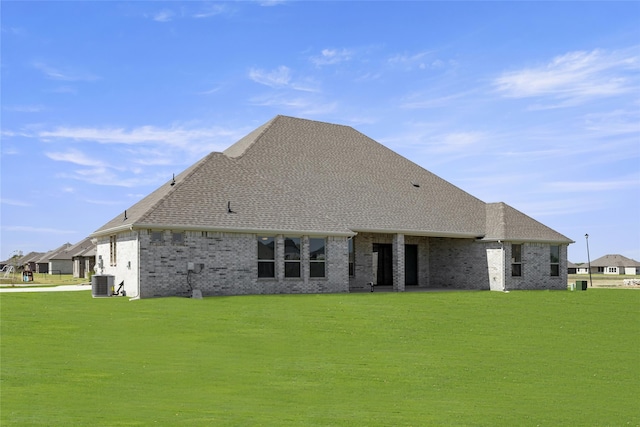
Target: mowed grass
{"points": [[371, 359]]}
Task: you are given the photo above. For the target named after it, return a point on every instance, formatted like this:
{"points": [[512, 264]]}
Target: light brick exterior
{"points": [[225, 264]]}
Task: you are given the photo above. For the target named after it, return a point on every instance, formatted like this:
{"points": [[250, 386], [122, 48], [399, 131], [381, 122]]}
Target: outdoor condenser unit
{"points": [[102, 285]]}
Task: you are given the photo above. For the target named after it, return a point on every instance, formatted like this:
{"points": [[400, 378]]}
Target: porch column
{"points": [[398, 263]]}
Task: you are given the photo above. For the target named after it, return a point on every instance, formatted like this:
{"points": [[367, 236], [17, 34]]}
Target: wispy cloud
{"points": [[631, 183], [30, 229], [421, 60], [211, 10], [279, 77], [75, 157], [64, 74], [574, 77], [12, 202], [23, 108], [332, 56], [165, 15], [301, 105], [177, 136]]}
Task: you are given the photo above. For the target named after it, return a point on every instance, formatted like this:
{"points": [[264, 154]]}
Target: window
{"points": [[156, 236], [516, 260], [292, 257], [613, 270], [112, 250], [316, 257], [600, 269], [554, 259], [177, 238], [266, 257], [352, 259]]}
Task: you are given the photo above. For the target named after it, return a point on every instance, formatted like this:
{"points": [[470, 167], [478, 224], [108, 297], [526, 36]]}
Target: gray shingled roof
{"points": [[297, 175], [614, 260], [352, 177], [509, 224]]}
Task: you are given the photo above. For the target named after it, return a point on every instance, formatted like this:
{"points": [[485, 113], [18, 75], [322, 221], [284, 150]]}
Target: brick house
{"points": [[299, 206]]}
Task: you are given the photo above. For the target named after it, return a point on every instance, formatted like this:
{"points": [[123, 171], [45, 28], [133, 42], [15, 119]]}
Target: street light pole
{"points": [[586, 236]]}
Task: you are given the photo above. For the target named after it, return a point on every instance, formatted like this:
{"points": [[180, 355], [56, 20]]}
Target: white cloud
{"points": [[574, 76], [12, 202], [177, 136], [65, 74], [210, 10], [23, 108], [29, 229], [165, 15], [279, 77], [76, 157], [632, 183], [332, 56]]}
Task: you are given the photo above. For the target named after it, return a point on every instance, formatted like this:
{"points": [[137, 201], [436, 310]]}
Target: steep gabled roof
{"points": [[203, 195], [509, 224], [614, 260], [352, 177], [294, 175]]}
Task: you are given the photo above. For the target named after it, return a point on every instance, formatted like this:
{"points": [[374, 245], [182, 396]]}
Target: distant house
{"points": [[44, 264], [571, 268], [84, 260], [615, 264], [299, 206], [73, 259]]}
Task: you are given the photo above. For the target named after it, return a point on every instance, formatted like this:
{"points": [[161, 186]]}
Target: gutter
{"points": [[131, 227]]}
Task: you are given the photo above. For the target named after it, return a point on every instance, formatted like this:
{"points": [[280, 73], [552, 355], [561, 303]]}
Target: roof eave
{"points": [[421, 233], [248, 230]]}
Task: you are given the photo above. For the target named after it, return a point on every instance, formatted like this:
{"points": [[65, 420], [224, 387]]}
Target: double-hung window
{"points": [[292, 257], [554, 259], [113, 246], [266, 257], [317, 257], [516, 260]]}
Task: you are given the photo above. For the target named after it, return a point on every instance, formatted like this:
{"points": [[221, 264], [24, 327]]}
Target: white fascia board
{"points": [[421, 233], [262, 231]]}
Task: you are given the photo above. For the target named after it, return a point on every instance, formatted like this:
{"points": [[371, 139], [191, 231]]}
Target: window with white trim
{"points": [[516, 260], [292, 257], [266, 257], [317, 257], [113, 245], [554, 259]]}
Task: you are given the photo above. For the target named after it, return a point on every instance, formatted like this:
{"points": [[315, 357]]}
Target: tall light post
{"points": [[586, 236]]}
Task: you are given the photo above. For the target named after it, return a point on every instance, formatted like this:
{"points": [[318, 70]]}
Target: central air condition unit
{"points": [[102, 285]]}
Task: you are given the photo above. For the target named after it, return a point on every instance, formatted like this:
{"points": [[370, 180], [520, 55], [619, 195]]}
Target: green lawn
{"points": [[371, 359]]}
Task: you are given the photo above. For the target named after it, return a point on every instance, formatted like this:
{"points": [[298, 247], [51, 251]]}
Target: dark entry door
{"points": [[411, 265], [385, 264]]}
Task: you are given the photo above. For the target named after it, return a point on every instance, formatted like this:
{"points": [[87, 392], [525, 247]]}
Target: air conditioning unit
{"points": [[102, 285]]}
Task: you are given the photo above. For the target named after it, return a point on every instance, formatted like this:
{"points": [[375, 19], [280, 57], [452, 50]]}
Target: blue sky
{"points": [[536, 104]]}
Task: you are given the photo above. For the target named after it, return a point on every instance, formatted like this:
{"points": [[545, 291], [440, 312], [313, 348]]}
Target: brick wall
{"points": [[225, 264]]}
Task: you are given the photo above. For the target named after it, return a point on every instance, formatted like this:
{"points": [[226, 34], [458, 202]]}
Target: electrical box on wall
{"points": [[190, 266]]}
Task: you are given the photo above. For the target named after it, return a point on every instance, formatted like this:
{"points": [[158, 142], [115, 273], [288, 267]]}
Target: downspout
{"points": [[137, 296], [504, 267]]}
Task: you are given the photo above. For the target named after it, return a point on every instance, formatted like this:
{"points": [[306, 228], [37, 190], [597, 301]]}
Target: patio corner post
{"points": [[586, 236]]}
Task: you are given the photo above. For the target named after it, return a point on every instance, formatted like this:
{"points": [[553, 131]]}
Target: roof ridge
{"points": [[241, 147], [175, 184]]}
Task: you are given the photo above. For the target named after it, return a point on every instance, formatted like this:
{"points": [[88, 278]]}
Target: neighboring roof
{"points": [[509, 224], [614, 261], [295, 175], [571, 265], [54, 253]]}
